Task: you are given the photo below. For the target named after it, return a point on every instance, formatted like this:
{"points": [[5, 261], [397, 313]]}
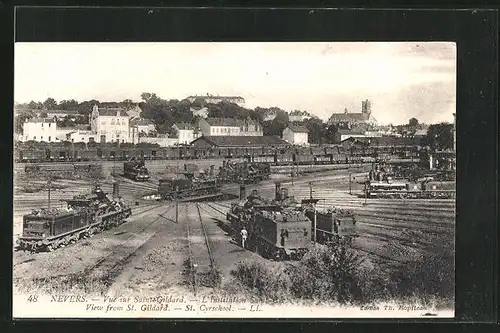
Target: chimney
{"points": [[278, 192], [116, 189], [243, 193]]}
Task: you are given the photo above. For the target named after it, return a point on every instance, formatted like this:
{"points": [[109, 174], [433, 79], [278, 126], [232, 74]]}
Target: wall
{"points": [[162, 141], [295, 138], [38, 131], [224, 130], [185, 136], [114, 128], [82, 136]]}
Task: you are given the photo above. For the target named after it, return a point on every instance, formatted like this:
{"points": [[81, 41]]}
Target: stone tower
{"points": [[366, 107]]}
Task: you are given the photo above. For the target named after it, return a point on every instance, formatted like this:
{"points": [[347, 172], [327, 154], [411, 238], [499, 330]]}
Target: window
{"points": [[42, 124], [113, 121], [34, 138], [49, 138], [49, 126], [41, 138]]}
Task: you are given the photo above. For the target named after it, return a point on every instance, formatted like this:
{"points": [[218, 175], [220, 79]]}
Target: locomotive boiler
{"points": [[135, 170], [274, 230], [85, 215], [187, 187]]}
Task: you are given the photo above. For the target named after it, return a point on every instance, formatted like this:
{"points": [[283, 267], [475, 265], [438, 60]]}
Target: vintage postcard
{"points": [[234, 180]]}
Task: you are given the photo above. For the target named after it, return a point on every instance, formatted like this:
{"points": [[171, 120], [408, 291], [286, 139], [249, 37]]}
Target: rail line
{"points": [[194, 260], [115, 266]]}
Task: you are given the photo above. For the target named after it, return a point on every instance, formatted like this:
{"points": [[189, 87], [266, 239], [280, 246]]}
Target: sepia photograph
{"points": [[234, 180]]}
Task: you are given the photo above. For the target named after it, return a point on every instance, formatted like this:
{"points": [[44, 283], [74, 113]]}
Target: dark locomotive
{"points": [[85, 215], [385, 181], [282, 228], [274, 231], [244, 172], [187, 187], [136, 170]]}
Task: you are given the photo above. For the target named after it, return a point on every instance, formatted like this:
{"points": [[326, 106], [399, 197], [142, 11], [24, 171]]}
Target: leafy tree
{"points": [[330, 133], [316, 130], [413, 122], [85, 108], [43, 114], [35, 105], [277, 125], [439, 136], [68, 105], [50, 104], [20, 119]]}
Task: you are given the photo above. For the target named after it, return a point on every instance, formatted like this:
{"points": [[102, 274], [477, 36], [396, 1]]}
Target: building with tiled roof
{"points": [[40, 129], [296, 135], [206, 142], [230, 127], [298, 116], [217, 99], [347, 119], [110, 124], [186, 132]]}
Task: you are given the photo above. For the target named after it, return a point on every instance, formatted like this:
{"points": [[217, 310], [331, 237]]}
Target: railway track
{"points": [[114, 262], [201, 262]]}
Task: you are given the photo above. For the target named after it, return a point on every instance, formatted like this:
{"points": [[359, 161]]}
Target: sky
{"points": [[402, 79]]}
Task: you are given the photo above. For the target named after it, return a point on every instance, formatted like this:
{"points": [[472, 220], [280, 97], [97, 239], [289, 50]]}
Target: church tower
{"points": [[366, 107]]}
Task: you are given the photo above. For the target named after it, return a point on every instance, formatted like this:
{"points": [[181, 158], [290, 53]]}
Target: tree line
{"points": [[165, 113]]}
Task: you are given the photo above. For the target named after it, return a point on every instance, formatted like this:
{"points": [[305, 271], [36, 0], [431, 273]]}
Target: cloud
{"points": [[318, 77]]}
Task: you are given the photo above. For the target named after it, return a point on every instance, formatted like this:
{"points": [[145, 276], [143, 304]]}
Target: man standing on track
{"points": [[244, 235]]}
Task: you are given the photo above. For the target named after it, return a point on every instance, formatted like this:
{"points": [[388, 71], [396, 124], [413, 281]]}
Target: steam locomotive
{"points": [[282, 228], [85, 215], [135, 170]]}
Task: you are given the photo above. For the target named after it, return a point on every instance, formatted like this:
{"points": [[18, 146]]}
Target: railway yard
{"points": [[168, 248]]}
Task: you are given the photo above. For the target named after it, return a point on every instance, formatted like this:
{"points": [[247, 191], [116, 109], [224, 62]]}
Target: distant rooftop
{"points": [[41, 120], [140, 122], [185, 126], [298, 128], [231, 122]]}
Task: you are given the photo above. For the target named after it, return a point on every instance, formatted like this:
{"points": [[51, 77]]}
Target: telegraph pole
{"points": [[49, 184], [366, 192], [350, 181], [314, 206]]}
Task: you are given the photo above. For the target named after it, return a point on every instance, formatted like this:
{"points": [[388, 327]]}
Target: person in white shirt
{"points": [[244, 235]]}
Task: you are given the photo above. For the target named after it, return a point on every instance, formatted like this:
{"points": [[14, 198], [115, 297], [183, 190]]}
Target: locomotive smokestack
{"points": [[278, 192], [243, 193], [116, 189]]}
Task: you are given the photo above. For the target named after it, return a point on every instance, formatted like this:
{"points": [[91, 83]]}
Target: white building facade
{"points": [[40, 130], [81, 136], [110, 125], [186, 133], [296, 135], [230, 127]]}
